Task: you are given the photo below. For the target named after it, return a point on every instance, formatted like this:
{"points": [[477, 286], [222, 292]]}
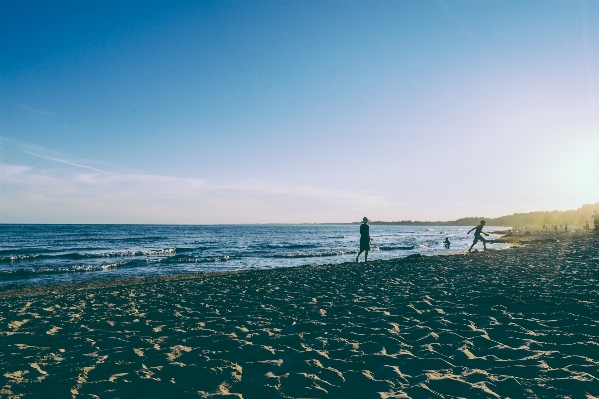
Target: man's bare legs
{"points": [[474, 243], [365, 256]]}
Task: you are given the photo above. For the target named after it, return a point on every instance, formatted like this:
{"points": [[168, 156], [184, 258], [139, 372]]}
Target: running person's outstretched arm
{"points": [[471, 230]]}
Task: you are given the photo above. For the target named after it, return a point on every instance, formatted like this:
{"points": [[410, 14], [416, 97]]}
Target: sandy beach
{"points": [[517, 323]]}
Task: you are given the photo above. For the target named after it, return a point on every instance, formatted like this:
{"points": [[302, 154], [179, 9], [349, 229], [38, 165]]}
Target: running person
{"points": [[477, 235], [364, 239]]}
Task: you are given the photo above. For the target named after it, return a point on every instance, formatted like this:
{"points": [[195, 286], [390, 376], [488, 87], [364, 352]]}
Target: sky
{"points": [[207, 112]]}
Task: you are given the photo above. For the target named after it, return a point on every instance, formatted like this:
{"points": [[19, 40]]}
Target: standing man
{"points": [[364, 239], [596, 221], [478, 230]]}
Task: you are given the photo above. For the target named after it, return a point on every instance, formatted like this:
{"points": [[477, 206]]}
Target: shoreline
{"points": [[23, 290], [148, 252], [20, 289], [517, 322]]}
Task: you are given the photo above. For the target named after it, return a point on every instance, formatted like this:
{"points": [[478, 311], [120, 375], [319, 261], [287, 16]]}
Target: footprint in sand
{"points": [[16, 376], [53, 330], [37, 367], [16, 324]]}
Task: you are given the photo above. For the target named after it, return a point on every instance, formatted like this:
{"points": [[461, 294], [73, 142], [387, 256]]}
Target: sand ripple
{"points": [[522, 323]]}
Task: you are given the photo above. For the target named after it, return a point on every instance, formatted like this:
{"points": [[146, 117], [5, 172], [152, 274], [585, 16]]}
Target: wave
{"points": [[194, 259], [125, 239], [37, 271], [28, 251], [93, 255], [23, 272], [315, 254], [283, 246], [341, 252], [406, 248]]}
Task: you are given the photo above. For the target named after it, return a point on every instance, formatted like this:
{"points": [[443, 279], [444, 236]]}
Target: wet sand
{"points": [[517, 323]]}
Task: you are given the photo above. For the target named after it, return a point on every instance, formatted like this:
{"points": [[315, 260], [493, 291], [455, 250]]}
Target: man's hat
{"points": [[365, 219], [482, 222]]}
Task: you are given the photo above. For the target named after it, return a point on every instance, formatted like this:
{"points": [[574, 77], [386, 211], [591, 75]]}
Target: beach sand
{"points": [[518, 323]]}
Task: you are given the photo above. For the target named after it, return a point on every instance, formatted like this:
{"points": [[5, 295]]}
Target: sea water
{"points": [[41, 254]]}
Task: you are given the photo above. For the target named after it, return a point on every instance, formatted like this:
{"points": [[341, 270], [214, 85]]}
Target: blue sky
{"points": [[296, 111]]}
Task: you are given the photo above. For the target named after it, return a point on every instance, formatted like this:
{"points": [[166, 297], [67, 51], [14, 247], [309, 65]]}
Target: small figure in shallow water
{"points": [[364, 239], [477, 235], [446, 242]]}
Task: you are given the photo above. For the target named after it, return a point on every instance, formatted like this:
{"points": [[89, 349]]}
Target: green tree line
{"points": [[575, 217]]}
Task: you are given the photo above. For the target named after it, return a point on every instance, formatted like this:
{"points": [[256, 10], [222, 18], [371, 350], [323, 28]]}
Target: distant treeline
{"points": [[576, 217]]}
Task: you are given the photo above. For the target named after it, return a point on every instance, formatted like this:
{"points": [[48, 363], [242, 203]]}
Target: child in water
{"points": [[446, 242], [477, 235]]}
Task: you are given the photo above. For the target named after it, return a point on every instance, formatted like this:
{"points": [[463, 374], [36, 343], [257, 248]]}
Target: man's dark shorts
{"points": [[365, 244], [478, 238]]}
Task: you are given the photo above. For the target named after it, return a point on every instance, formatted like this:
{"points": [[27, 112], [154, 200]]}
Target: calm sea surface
{"points": [[40, 254]]}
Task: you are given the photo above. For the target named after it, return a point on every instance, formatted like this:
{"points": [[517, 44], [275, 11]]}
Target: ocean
{"points": [[45, 254]]}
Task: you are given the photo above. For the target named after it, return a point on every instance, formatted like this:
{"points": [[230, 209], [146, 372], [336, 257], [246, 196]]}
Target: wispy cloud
{"points": [[65, 162], [30, 109], [12, 171], [40, 112], [82, 193], [62, 127], [100, 197], [472, 38], [24, 176]]}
